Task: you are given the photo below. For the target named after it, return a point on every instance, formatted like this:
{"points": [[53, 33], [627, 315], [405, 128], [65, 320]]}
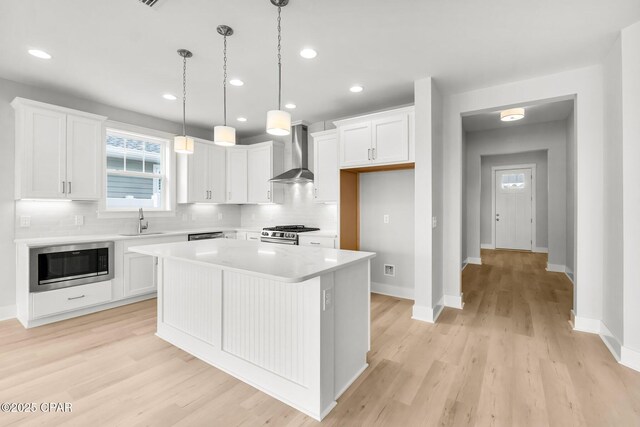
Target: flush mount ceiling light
{"points": [[224, 135], [279, 121], [512, 114], [39, 53], [308, 53], [184, 144], [169, 97], [236, 82], [241, 119], [356, 88], [290, 106]]}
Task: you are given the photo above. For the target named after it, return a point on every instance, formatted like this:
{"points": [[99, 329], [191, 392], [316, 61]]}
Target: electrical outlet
{"points": [[327, 299], [434, 222], [385, 218], [389, 270], [25, 221], [219, 216], [79, 219]]}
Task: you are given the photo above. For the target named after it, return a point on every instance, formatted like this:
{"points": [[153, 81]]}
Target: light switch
{"points": [[79, 219], [219, 216], [25, 221], [385, 218], [434, 222], [327, 299]]}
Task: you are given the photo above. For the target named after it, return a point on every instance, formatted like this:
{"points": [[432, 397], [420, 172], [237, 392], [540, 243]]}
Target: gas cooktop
{"points": [[291, 228], [284, 234]]}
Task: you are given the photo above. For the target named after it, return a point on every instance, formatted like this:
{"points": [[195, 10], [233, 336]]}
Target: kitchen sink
{"points": [[153, 233]]}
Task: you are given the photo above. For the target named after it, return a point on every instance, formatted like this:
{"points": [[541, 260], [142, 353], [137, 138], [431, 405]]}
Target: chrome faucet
{"points": [[141, 226]]}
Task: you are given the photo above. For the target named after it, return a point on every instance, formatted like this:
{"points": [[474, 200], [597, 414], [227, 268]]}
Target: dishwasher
{"points": [[205, 236]]}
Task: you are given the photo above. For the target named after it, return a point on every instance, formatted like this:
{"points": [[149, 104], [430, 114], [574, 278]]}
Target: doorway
{"points": [[513, 203]]}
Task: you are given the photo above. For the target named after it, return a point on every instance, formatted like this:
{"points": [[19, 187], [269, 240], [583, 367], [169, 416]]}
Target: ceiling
{"points": [[123, 53], [540, 113]]}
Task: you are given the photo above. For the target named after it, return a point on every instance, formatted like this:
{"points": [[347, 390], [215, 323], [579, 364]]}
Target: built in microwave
{"points": [[55, 267]]}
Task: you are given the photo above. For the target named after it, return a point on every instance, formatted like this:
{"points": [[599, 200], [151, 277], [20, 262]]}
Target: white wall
{"points": [[389, 193], [437, 187], [538, 158], [586, 85], [631, 178], [55, 218], [549, 137], [612, 296]]}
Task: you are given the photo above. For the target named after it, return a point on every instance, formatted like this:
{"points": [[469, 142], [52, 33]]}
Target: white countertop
{"points": [[282, 263], [60, 240]]}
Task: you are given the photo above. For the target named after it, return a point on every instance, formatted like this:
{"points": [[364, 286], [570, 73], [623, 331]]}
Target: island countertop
{"points": [[284, 263]]}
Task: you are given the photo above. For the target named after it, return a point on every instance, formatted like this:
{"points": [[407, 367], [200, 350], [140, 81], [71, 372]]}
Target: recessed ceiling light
{"points": [[356, 88], [236, 82], [290, 106], [308, 53], [512, 114], [39, 53], [169, 97], [242, 119]]}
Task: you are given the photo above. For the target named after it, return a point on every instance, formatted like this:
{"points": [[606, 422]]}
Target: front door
{"points": [[513, 209]]}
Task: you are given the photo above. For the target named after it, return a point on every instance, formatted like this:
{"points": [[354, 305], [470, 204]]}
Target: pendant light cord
{"points": [[184, 96], [224, 84], [279, 60]]}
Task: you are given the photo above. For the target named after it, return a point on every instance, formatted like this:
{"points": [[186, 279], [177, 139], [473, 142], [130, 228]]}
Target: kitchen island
{"points": [[291, 321]]}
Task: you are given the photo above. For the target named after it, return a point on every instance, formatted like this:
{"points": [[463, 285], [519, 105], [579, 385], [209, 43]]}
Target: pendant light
{"points": [[224, 135], [184, 144], [279, 121]]}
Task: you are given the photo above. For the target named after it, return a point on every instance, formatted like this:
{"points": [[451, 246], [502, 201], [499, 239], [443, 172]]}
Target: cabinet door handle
{"points": [[315, 243], [268, 194], [63, 188], [373, 151], [315, 192], [369, 153], [72, 298], [69, 192], [229, 195]]}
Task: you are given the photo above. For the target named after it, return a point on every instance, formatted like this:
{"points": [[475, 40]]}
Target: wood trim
{"points": [[349, 210], [382, 168]]}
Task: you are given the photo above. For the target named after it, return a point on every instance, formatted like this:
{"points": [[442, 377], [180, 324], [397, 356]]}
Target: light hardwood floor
{"points": [[509, 358]]}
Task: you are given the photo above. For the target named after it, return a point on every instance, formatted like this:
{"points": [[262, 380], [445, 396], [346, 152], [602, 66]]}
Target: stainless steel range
{"points": [[284, 234]]}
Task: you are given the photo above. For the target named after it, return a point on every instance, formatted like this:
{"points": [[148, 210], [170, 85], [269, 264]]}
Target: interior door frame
{"points": [[494, 169]]}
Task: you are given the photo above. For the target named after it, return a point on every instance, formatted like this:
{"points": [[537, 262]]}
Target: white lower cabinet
{"points": [[320, 242], [253, 235], [68, 299], [139, 274]]}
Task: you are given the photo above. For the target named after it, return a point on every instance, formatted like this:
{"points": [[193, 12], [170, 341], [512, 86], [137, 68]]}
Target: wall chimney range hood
{"points": [[299, 172]]}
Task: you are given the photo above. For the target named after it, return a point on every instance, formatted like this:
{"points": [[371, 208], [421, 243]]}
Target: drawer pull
{"points": [[315, 243], [72, 298]]}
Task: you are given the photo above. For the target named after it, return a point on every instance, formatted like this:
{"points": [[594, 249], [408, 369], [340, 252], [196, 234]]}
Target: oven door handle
{"points": [[278, 241]]}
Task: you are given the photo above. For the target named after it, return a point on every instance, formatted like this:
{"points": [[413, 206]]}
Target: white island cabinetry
{"points": [[291, 321]]}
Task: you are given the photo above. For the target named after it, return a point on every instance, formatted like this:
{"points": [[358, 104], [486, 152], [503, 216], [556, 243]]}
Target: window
{"points": [[136, 171], [512, 181]]}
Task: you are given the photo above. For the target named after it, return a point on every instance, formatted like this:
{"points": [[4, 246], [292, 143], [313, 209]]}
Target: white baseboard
{"points": [[541, 250], [7, 312], [392, 290], [585, 324], [428, 314], [464, 265], [453, 301], [474, 260], [630, 358], [487, 246], [569, 274], [611, 341], [556, 268]]}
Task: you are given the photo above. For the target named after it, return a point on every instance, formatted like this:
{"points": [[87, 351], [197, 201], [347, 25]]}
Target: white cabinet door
{"points": [[43, 154], [236, 175], [319, 242], [325, 168], [259, 174], [355, 144], [139, 274], [253, 235], [217, 174], [84, 158], [390, 139], [199, 173]]}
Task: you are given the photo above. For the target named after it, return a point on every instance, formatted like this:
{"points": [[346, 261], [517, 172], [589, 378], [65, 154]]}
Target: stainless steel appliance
{"points": [[284, 234], [205, 236], [299, 172], [55, 267]]}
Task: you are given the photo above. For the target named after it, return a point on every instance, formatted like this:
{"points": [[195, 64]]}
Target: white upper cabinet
{"points": [[202, 175], [325, 166], [237, 175], [58, 152], [383, 138], [265, 160]]}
